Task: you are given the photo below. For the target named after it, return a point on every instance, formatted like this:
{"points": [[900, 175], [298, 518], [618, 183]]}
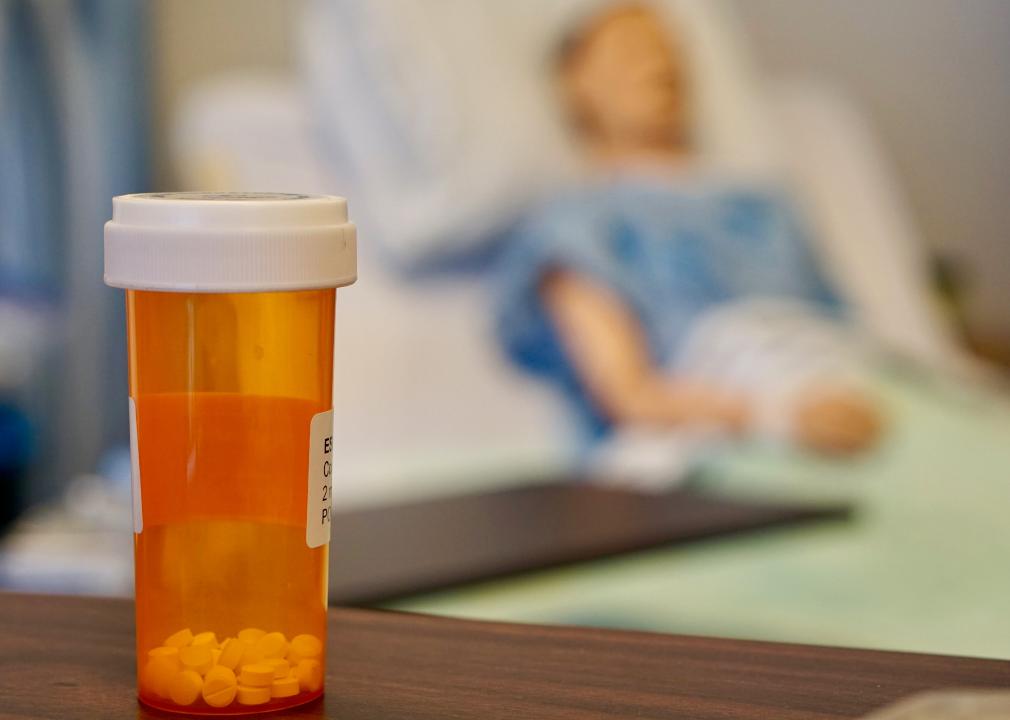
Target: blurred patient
{"points": [[660, 296]]}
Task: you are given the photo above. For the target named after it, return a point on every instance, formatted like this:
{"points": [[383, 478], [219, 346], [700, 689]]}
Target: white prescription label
{"points": [[138, 505], [319, 507]]}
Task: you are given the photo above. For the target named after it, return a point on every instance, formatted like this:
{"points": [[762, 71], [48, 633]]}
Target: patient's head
{"points": [[623, 78]]}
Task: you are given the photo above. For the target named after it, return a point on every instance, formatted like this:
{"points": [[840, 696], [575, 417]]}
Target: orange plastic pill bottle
{"points": [[230, 316]]}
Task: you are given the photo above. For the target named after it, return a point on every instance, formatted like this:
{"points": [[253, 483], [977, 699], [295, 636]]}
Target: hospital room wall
{"points": [[197, 39], [930, 74]]}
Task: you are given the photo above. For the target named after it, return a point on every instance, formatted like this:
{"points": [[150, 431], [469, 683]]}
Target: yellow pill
{"points": [[208, 639], [251, 635], [305, 647], [284, 687], [165, 651], [159, 674], [198, 659], [258, 675], [185, 688], [252, 656], [219, 687], [253, 695], [232, 652], [271, 645], [310, 675], [282, 668], [179, 639], [215, 655]]}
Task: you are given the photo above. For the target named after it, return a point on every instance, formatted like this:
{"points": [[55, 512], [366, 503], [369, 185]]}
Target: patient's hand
{"points": [[837, 420]]}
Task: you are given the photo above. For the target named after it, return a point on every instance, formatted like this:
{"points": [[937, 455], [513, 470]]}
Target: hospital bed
{"points": [[426, 405]]}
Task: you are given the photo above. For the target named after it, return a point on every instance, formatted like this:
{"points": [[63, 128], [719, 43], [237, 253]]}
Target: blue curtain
{"points": [[73, 133], [31, 226]]}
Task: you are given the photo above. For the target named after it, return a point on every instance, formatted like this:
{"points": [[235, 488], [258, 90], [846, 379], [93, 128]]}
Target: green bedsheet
{"points": [[924, 564]]}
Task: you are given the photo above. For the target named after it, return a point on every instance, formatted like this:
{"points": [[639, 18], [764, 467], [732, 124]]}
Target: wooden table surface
{"points": [[71, 658]]}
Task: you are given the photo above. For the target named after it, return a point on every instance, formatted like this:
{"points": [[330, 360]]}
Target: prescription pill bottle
{"points": [[230, 301]]}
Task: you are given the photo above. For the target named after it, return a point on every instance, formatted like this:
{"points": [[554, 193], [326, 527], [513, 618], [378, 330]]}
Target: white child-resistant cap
{"points": [[229, 242]]}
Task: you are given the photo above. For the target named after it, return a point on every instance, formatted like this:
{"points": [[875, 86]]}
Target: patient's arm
{"points": [[608, 350]]}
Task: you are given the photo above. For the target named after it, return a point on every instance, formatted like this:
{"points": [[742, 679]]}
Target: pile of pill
{"points": [[253, 668]]}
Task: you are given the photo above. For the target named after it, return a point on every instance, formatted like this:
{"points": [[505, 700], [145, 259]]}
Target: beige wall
{"points": [[932, 74], [195, 39], [934, 77]]}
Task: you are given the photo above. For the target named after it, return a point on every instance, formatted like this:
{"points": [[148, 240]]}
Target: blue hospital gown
{"points": [[670, 251]]}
